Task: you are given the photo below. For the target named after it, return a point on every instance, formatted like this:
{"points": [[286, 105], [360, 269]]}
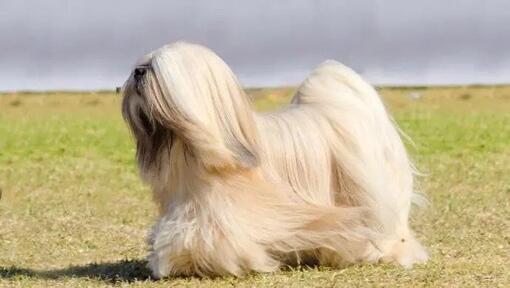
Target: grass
{"points": [[73, 212]]}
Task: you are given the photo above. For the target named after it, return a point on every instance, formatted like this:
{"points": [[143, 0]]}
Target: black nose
{"points": [[139, 72]]}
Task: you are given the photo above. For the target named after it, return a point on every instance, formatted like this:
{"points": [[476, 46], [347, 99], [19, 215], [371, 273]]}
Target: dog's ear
{"points": [[194, 93]]}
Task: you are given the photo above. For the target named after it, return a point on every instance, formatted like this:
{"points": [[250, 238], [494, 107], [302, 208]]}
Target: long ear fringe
{"points": [[193, 92]]}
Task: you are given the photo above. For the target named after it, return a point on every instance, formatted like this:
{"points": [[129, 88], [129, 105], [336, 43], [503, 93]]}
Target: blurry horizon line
{"points": [[114, 90]]}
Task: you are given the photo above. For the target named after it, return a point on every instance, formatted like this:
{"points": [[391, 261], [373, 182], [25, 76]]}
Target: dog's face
{"points": [[150, 135], [185, 93]]}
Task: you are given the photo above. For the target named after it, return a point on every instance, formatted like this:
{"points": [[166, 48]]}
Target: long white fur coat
{"points": [[325, 180]]}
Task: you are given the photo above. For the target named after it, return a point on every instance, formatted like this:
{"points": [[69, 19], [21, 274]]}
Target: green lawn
{"points": [[73, 211]]}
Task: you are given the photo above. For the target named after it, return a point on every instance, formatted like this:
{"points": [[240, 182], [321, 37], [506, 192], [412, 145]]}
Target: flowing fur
{"points": [[326, 180]]}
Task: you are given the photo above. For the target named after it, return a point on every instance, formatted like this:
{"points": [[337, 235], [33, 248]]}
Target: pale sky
{"points": [[59, 44]]}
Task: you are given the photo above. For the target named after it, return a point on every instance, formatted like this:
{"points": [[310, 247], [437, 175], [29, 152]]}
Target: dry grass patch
{"points": [[74, 213]]}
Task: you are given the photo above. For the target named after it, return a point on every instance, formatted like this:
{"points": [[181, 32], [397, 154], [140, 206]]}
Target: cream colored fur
{"points": [[325, 180]]}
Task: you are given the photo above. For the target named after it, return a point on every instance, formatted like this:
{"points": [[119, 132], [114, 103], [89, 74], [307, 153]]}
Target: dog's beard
{"points": [[152, 138]]}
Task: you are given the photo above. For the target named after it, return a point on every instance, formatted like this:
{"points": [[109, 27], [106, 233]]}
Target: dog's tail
{"points": [[371, 161]]}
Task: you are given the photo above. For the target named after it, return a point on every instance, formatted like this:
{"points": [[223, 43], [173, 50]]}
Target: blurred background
{"points": [[88, 45], [74, 212]]}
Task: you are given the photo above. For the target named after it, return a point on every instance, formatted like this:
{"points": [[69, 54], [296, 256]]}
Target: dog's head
{"points": [[185, 93]]}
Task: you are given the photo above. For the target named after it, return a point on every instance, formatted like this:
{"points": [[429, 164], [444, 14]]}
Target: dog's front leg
{"points": [[209, 241]]}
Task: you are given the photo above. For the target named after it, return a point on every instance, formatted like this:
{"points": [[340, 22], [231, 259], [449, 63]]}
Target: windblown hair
{"points": [[326, 180]]}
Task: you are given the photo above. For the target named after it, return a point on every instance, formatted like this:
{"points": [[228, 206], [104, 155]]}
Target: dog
{"points": [[325, 180]]}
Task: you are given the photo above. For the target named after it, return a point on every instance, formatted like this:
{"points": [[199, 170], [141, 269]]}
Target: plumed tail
{"points": [[332, 81], [371, 161], [372, 165]]}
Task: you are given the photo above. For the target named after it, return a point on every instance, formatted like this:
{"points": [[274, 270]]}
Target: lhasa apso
{"points": [[325, 180]]}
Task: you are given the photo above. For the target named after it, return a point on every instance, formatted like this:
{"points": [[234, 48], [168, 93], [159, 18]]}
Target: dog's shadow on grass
{"points": [[110, 272], [121, 271]]}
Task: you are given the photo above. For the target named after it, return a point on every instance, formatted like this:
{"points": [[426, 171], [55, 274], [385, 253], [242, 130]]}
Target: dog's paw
{"points": [[406, 252], [158, 268]]}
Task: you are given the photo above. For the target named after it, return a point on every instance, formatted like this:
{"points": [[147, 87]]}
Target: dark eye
{"points": [[139, 72]]}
